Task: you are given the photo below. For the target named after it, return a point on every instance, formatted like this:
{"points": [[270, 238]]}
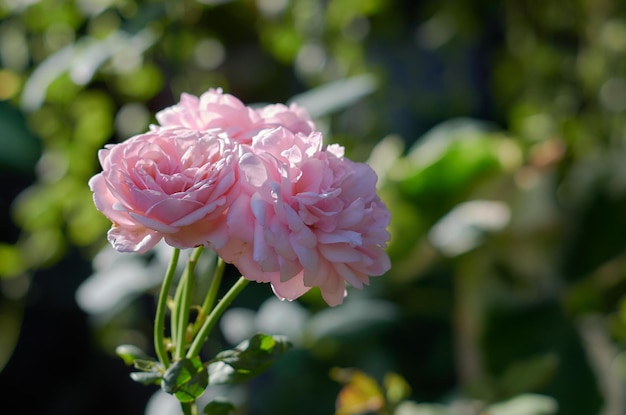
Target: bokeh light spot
{"points": [[9, 84], [209, 53], [271, 7], [131, 119], [613, 94]]}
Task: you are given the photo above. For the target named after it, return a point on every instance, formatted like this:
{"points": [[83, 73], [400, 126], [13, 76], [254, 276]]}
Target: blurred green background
{"points": [[498, 130]]}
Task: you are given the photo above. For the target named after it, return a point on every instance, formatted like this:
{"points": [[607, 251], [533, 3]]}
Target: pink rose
{"points": [[169, 183], [324, 228], [255, 185], [294, 118], [286, 149], [272, 156], [215, 110]]}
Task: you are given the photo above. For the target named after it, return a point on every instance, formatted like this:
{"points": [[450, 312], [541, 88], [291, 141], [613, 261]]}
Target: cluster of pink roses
{"points": [[258, 186]]}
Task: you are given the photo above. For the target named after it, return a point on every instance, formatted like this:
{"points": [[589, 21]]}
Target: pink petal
{"points": [[333, 292], [290, 289], [308, 257], [152, 224], [340, 253], [348, 275], [139, 240], [341, 236]]}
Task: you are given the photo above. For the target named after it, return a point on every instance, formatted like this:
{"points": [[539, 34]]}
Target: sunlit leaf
{"points": [[146, 378], [445, 164], [130, 353]]}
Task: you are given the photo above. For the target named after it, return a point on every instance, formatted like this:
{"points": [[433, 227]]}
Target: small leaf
{"points": [[129, 353], [219, 406], [146, 378], [186, 379], [247, 360], [151, 372], [147, 365]]}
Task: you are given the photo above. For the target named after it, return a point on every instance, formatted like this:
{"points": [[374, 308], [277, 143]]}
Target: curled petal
{"points": [[290, 289], [136, 239]]}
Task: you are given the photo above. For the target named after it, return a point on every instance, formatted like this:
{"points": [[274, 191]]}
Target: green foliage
{"points": [[219, 407], [186, 379], [130, 353], [151, 372], [247, 360]]}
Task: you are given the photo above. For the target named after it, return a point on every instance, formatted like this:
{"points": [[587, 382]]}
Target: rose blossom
{"points": [[323, 227], [169, 183], [212, 110], [294, 118], [255, 185], [215, 110]]}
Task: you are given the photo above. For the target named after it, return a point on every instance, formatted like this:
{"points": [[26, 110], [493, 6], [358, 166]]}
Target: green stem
{"points": [[209, 300], [174, 312], [179, 317], [183, 303], [189, 408], [159, 320], [209, 323]]}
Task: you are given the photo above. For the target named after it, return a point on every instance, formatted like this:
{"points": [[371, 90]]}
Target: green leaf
{"points": [[248, 359], [450, 160], [147, 365], [147, 378], [129, 353], [219, 406], [151, 370], [186, 379]]}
